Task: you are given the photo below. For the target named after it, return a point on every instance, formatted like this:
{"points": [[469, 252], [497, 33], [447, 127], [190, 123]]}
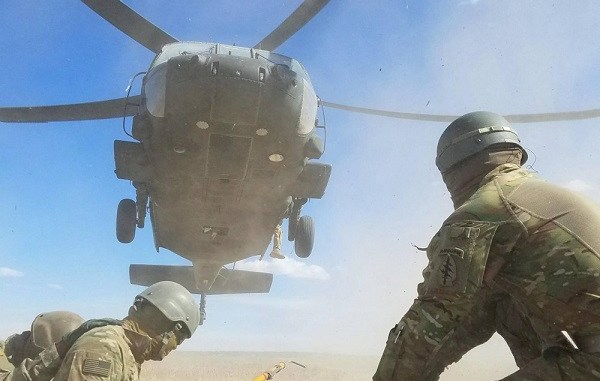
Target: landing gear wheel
{"points": [[126, 220], [305, 236]]}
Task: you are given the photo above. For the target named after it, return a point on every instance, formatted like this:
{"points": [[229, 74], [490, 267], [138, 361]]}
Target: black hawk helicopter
{"points": [[225, 148]]}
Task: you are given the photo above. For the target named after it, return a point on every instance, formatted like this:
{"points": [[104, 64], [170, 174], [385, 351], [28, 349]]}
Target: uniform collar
{"points": [[514, 170], [137, 339]]}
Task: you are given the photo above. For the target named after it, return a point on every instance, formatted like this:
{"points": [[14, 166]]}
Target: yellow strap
{"points": [[262, 377]]}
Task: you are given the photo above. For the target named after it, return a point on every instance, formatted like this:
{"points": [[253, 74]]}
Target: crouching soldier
{"points": [[161, 318]]}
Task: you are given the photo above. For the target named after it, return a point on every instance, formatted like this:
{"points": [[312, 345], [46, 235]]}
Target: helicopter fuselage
{"points": [[225, 136]]}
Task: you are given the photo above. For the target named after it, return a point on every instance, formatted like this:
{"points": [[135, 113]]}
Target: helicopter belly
{"points": [[218, 196], [217, 229], [225, 138]]}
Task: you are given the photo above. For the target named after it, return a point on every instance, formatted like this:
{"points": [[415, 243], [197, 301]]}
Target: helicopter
{"points": [[224, 149], [215, 180]]}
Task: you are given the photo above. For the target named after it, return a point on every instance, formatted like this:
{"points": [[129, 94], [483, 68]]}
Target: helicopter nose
{"points": [[187, 67], [217, 87], [284, 76]]}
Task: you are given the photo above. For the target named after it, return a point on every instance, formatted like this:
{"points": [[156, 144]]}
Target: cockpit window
{"points": [[182, 48]]}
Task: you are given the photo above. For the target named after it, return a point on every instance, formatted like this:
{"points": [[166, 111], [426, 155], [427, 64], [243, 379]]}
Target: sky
{"points": [[59, 193]]}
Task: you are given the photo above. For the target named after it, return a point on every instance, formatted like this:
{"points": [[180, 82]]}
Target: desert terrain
{"points": [[244, 366]]}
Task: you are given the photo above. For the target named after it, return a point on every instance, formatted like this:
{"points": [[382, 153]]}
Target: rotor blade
{"points": [[515, 118], [392, 114], [302, 15], [131, 23], [554, 116], [113, 108]]}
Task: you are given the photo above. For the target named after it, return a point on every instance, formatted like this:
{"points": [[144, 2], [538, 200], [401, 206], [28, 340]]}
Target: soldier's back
{"points": [[104, 353], [554, 268]]}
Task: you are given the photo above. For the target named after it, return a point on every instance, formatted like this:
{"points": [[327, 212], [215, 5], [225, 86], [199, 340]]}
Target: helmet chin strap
{"points": [[161, 346]]}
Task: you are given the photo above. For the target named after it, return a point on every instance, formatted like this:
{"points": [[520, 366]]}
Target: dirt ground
{"points": [[480, 364], [243, 366]]}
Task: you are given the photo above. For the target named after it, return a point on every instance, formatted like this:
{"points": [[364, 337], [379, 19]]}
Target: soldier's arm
{"points": [[42, 368], [431, 336], [452, 313]]}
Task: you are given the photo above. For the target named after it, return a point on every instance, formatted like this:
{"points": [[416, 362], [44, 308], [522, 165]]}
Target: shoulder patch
{"points": [[458, 261], [97, 367]]}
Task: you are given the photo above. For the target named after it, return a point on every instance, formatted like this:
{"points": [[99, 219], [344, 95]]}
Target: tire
{"points": [[126, 220], [305, 236]]}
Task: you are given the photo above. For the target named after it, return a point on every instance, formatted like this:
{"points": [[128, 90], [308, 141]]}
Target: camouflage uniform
{"points": [[42, 368], [5, 365], [100, 348], [161, 317], [45, 366], [33, 353], [103, 353], [520, 257]]}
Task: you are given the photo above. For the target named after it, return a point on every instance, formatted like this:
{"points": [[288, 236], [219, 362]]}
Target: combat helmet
{"points": [[175, 302], [50, 327], [46, 329], [473, 133]]}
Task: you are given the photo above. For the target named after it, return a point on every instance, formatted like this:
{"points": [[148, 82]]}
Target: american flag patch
{"points": [[98, 367]]}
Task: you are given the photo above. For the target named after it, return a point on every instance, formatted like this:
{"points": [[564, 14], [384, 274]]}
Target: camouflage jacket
{"points": [[517, 238], [5, 365], [102, 353], [42, 368]]}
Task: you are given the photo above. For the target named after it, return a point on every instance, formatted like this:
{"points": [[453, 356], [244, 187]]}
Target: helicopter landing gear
{"points": [[294, 217], [132, 214], [301, 230], [126, 220], [305, 236], [141, 201]]}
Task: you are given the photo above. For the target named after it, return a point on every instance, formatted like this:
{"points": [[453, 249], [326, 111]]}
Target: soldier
{"points": [[46, 328], [276, 253], [162, 316], [5, 365], [518, 256]]}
